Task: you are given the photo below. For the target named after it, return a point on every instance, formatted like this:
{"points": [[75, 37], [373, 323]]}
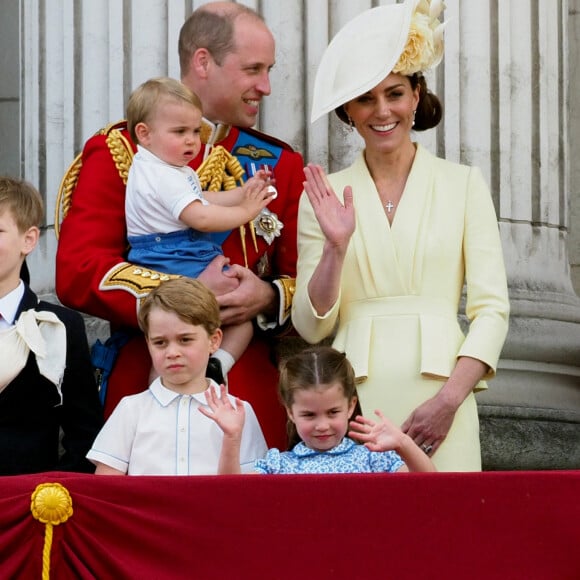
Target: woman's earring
{"points": [[414, 115], [350, 123]]}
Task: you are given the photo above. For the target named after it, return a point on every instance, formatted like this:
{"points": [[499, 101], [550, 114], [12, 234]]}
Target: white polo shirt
{"points": [[160, 432], [157, 193]]}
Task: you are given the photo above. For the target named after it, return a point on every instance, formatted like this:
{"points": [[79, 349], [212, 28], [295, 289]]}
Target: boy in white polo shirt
{"points": [[165, 430]]}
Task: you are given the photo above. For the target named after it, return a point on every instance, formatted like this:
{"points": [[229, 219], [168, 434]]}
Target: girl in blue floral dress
{"points": [[317, 388]]}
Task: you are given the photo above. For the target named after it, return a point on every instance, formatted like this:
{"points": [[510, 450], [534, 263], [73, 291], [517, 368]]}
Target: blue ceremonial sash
{"points": [[253, 153]]}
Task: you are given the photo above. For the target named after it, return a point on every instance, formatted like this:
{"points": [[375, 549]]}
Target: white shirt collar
{"points": [[9, 305], [166, 396], [149, 156], [213, 133]]}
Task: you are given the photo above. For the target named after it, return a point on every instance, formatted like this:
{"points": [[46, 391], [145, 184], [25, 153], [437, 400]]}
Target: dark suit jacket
{"points": [[31, 418]]}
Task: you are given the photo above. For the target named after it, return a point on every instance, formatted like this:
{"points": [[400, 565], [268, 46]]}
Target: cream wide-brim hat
{"points": [[360, 56]]}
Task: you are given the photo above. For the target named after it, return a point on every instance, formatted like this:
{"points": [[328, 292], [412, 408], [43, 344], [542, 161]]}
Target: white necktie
{"points": [[43, 334]]}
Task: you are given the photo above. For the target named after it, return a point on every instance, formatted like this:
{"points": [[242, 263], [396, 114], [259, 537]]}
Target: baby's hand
{"points": [[257, 194], [376, 435], [261, 182], [229, 418], [266, 176]]}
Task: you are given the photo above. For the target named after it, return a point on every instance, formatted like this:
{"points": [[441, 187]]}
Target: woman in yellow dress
{"points": [[383, 265]]}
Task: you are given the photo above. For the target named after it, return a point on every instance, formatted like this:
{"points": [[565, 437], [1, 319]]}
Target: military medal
{"points": [[267, 225]]}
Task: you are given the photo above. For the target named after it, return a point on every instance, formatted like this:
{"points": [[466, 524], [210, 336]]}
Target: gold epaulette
{"points": [[65, 191], [122, 154]]}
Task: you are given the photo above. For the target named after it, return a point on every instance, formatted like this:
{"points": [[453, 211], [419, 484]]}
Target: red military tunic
{"points": [[92, 274]]}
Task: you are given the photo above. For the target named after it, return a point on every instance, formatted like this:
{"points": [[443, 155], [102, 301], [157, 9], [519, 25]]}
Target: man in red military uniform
{"points": [[226, 52]]}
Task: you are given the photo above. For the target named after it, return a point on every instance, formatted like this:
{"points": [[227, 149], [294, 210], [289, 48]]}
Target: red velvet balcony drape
{"points": [[508, 525]]}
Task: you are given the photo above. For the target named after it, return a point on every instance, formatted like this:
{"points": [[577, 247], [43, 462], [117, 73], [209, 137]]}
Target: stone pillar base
{"points": [[530, 417]]}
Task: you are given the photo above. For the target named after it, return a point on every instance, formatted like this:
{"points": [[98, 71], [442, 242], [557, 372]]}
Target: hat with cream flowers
{"points": [[404, 38]]}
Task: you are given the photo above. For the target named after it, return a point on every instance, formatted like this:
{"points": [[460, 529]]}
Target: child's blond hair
{"points": [[145, 99], [23, 201]]}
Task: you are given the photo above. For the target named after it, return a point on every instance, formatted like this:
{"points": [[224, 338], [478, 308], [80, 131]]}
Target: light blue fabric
{"points": [[186, 252], [347, 457]]}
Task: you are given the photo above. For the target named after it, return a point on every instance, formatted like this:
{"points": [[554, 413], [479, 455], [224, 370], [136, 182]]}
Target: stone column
{"points": [[574, 137], [530, 417]]}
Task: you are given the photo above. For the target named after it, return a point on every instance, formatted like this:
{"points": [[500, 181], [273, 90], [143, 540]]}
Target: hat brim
{"points": [[360, 56]]}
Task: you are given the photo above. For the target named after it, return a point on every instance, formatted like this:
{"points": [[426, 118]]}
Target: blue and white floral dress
{"points": [[346, 457]]}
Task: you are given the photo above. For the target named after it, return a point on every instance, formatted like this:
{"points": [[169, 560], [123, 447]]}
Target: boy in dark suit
{"points": [[47, 386]]}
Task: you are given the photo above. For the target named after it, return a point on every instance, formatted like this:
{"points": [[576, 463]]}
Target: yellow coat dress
{"points": [[396, 316]]}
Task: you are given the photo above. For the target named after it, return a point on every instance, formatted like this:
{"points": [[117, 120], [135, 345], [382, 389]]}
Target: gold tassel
{"points": [[51, 504]]}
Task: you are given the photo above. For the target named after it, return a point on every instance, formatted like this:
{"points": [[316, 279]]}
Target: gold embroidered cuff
{"points": [[136, 280], [286, 288]]}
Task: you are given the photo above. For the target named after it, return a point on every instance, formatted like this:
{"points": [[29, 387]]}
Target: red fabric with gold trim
{"points": [[93, 242], [441, 526]]}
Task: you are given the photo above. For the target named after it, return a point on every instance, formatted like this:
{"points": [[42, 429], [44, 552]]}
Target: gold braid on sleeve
{"points": [[221, 171], [122, 154]]}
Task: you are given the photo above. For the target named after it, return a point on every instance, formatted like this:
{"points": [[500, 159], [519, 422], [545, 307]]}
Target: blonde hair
{"points": [[23, 201], [189, 299], [145, 99]]}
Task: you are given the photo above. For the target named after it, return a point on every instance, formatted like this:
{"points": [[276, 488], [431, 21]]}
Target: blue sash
{"points": [[253, 153]]}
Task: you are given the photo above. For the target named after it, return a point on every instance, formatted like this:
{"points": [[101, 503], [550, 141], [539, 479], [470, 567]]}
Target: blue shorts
{"points": [[185, 252]]}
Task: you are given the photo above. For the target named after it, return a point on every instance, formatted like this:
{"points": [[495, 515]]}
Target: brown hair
{"points": [[211, 27], [23, 201], [309, 369], [189, 299], [429, 109], [145, 99]]}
